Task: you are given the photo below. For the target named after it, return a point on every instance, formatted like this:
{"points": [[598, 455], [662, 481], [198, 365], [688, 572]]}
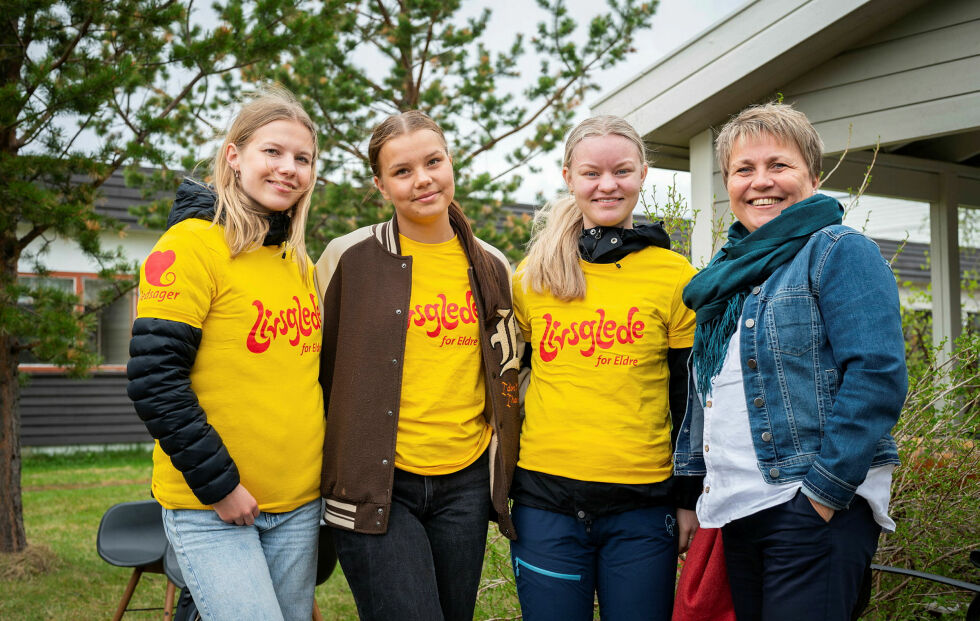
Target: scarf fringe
{"points": [[711, 342]]}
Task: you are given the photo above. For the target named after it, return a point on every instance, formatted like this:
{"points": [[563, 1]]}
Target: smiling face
{"points": [[275, 167], [765, 176], [415, 173], [605, 174]]}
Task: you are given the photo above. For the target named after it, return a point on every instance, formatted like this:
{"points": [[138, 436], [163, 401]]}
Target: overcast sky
{"points": [[674, 23]]}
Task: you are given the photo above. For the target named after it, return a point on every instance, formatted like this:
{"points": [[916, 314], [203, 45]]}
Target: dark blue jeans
{"points": [[785, 562], [629, 559], [427, 566]]}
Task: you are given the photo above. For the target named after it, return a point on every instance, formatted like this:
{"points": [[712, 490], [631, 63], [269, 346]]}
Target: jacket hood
{"points": [[196, 200]]}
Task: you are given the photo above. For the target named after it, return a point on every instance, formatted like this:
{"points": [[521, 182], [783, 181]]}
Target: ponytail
{"points": [[485, 266]]}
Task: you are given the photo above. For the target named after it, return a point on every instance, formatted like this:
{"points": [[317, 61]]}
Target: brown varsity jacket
{"points": [[366, 286]]}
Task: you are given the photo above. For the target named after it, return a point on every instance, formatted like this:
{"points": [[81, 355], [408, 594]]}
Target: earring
{"points": [[238, 174]]}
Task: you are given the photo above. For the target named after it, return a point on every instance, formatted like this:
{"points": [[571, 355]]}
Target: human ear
{"points": [[232, 156], [381, 187], [567, 176]]}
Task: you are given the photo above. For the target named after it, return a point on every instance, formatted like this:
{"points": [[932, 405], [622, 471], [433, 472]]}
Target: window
{"points": [[113, 323]]}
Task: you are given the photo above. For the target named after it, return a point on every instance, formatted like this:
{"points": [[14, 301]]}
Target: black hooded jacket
{"points": [[162, 353]]}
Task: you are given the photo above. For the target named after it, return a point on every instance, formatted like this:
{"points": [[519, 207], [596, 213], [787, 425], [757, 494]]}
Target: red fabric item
{"points": [[702, 591]]}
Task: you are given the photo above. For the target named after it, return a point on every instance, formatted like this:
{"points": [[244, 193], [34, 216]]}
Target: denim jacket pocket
{"points": [[792, 323]]}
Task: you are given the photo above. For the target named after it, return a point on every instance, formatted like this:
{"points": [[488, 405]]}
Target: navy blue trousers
{"points": [[786, 562], [561, 563]]}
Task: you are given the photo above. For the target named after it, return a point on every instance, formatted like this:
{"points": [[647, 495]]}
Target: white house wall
{"points": [[917, 78], [65, 256]]}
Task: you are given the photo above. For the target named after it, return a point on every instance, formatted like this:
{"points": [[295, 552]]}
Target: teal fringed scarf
{"points": [[717, 293]]}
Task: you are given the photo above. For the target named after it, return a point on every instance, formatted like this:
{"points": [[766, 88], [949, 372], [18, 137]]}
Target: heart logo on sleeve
{"points": [[156, 267]]}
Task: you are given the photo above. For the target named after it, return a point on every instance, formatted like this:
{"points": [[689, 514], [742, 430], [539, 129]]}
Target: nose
{"points": [[286, 166], [422, 178], [607, 183], [762, 179]]}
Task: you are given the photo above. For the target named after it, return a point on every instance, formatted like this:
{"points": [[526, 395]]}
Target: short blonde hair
{"points": [[245, 223], [780, 121], [553, 258]]}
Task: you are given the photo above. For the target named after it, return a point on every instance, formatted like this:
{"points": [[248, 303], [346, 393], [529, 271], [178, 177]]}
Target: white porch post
{"points": [[703, 241], [945, 265]]}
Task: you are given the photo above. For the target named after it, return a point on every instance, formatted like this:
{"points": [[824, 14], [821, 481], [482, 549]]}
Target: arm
{"points": [[858, 301], [162, 354]]}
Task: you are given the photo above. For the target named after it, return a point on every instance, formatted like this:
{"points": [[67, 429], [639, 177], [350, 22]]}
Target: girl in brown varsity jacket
{"points": [[419, 372]]}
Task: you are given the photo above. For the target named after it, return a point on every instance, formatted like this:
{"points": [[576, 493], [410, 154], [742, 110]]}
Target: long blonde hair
{"points": [[245, 222], [553, 258]]}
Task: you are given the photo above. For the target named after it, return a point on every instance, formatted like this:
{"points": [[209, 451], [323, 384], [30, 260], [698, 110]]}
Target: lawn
{"points": [[64, 499]]}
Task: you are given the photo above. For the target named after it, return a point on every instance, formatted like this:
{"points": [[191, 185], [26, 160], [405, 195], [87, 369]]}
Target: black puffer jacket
{"points": [[162, 353]]}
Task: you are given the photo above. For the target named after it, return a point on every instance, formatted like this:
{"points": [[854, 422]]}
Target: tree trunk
{"points": [[12, 537]]}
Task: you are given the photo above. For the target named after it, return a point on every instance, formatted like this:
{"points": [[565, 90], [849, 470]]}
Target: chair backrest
{"points": [[131, 534]]}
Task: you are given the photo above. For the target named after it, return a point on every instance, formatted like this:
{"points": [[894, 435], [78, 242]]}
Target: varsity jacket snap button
{"points": [[390, 413], [384, 462], [380, 511], [398, 311], [404, 265], [394, 361]]}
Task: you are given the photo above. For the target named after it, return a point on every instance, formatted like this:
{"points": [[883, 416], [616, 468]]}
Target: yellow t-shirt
{"points": [[597, 403], [257, 367], [441, 426]]}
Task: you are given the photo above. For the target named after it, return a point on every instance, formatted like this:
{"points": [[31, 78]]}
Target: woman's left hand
{"points": [[687, 525], [825, 512]]}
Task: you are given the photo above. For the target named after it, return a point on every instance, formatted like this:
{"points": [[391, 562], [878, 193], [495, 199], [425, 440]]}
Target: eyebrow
{"points": [[396, 165], [624, 162]]}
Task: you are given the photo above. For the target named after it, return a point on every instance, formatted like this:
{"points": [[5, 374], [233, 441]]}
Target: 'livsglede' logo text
{"points": [[299, 320], [602, 333]]}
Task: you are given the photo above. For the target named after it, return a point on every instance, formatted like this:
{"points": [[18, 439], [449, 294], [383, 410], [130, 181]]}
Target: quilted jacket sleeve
{"points": [[162, 354]]}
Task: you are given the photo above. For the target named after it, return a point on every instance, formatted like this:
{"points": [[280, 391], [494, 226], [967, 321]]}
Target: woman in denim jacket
{"points": [[798, 378]]}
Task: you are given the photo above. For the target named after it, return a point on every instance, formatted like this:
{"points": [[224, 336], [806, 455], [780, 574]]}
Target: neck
{"points": [[435, 232]]}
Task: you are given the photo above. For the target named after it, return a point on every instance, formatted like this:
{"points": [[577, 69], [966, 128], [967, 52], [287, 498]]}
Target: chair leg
{"points": [[168, 602], [316, 612], [128, 593]]}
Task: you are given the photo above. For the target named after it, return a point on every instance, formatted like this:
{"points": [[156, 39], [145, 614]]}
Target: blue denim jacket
{"points": [[823, 366]]}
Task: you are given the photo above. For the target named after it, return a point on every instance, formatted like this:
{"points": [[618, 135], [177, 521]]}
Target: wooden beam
{"points": [[704, 242], [945, 266]]}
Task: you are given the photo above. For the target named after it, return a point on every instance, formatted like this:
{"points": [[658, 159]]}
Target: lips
{"points": [[764, 202], [282, 185], [426, 198]]}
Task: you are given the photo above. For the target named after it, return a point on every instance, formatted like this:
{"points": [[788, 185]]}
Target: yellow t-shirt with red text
{"points": [[441, 425], [257, 367], [597, 406]]}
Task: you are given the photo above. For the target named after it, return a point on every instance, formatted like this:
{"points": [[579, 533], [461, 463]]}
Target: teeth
{"points": [[761, 202]]}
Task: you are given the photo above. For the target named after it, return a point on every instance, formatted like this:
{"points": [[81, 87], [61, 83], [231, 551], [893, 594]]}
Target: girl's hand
{"points": [[687, 525], [238, 507]]}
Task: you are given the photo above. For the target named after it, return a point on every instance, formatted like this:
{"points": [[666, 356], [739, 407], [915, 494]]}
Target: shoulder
{"points": [[496, 254], [662, 258], [196, 237], [327, 264], [841, 238]]}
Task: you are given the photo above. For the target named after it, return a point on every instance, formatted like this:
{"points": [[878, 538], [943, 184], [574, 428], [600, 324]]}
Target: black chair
{"points": [[131, 535]]}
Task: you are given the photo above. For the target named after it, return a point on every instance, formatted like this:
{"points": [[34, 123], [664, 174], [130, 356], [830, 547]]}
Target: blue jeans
{"points": [[265, 572], [785, 562], [629, 559], [427, 566]]}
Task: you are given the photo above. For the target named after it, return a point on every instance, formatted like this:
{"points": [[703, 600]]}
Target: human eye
{"points": [[434, 161], [624, 171], [271, 151], [400, 172]]}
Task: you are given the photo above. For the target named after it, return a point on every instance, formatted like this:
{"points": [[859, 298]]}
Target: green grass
{"points": [[64, 499]]}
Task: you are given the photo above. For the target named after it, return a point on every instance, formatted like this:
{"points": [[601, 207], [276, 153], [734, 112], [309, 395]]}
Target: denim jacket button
{"points": [[759, 402], [707, 488], [756, 290], [766, 436], [774, 472], [705, 448], [751, 363], [750, 323]]}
